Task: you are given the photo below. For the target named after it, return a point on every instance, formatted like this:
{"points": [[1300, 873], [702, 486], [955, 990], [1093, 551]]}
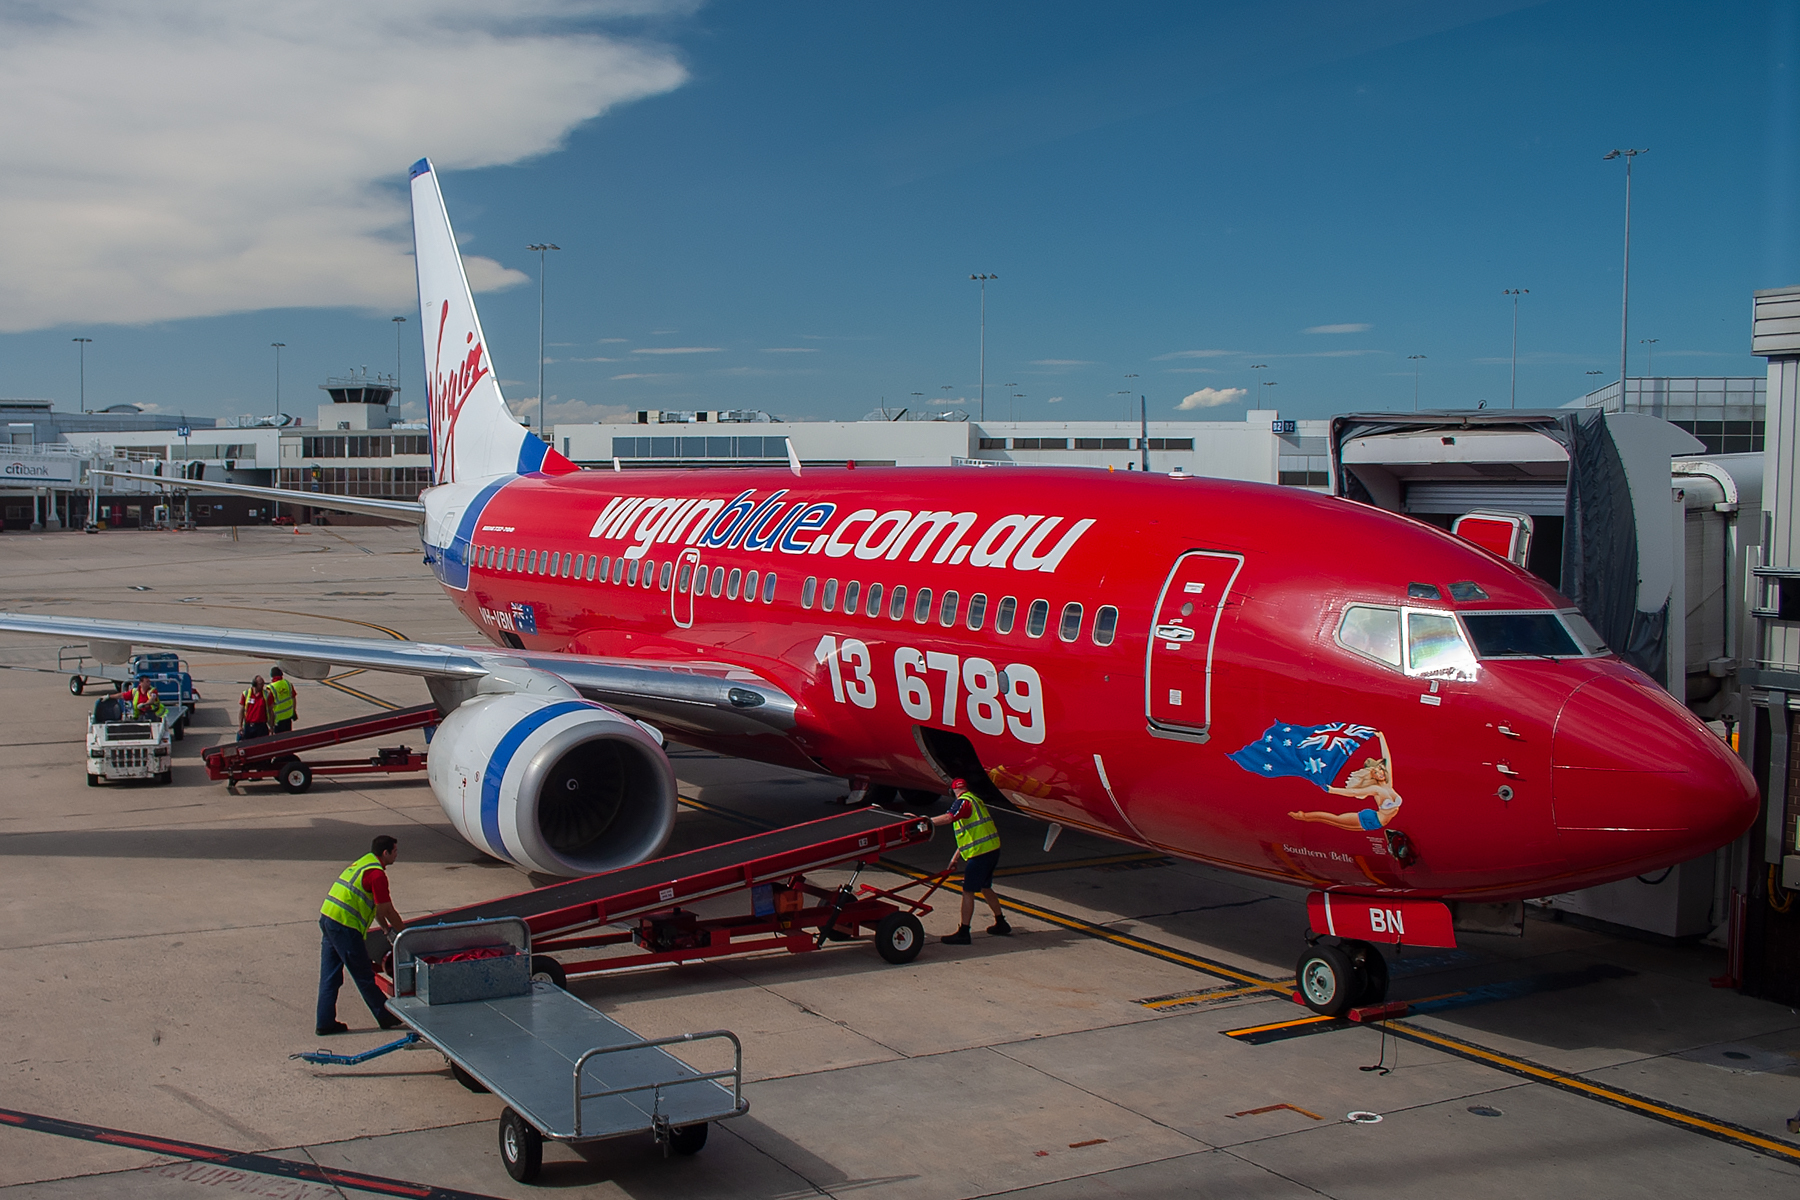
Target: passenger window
{"points": [[507, 559], [1106, 625], [947, 609], [593, 562], [668, 571], [605, 567], [750, 578], [897, 603], [718, 582], [1036, 618], [977, 609], [687, 577], [1372, 632], [769, 588], [830, 600], [631, 573], [731, 583], [1003, 616], [1435, 646], [874, 604], [619, 569], [1070, 629], [808, 590], [649, 572], [852, 590], [922, 606], [568, 565]]}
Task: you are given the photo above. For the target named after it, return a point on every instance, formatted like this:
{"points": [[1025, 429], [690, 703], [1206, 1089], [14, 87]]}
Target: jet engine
{"points": [[553, 784]]}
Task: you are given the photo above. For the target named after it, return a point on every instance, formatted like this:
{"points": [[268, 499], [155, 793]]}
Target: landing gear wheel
{"points": [[545, 969], [687, 1139], [1371, 974], [467, 1080], [1326, 979], [295, 776], [521, 1147], [76, 683], [899, 937]]}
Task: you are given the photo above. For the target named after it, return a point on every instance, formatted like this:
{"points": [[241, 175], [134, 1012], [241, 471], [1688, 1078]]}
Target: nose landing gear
{"points": [[1335, 975]]}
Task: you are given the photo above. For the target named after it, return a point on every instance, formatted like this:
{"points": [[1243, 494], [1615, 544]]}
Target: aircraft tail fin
{"points": [[473, 435]]}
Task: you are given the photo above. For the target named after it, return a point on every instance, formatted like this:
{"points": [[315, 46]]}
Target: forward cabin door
{"points": [[1178, 675]]}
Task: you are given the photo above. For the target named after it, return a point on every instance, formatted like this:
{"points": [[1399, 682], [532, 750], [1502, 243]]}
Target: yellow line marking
{"points": [[1073, 864], [1674, 1116], [1294, 1024]]}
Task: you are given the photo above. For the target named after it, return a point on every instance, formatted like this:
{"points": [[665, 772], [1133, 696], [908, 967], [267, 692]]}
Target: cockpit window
{"points": [[1422, 591], [1584, 633], [1467, 590], [1514, 635], [1435, 646], [1374, 632]]}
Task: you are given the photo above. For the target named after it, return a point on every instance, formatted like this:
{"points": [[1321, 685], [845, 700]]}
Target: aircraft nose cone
{"points": [[1636, 774]]}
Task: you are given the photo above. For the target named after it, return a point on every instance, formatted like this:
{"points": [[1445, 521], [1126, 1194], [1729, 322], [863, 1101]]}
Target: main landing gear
{"points": [[1335, 975]]}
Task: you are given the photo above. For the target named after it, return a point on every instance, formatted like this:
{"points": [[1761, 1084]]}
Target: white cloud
{"points": [[643, 375], [610, 341], [1211, 398], [1354, 328], [790, 350], [198, 157], [1054, 400], [573, 411], [1193, 354], [678, 350]]}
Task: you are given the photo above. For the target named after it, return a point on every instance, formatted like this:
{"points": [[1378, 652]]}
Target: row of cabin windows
{"points": [[851, 597], [735, 583]]}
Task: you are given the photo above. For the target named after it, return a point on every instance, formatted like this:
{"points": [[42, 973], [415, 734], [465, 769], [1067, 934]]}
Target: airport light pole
{"points": [[983, 281], [1515, 293], [1253, 378], [542, 249], [1650, 354], [277, 346], [1625, 283], [1415, 360], [81, 355], [399, 333]]}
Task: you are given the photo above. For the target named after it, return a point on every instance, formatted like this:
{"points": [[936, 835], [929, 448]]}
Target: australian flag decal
{"points": [[524, 618], [1315, 753]]}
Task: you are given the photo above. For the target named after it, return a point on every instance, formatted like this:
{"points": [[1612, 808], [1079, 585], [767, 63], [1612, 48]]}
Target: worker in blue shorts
{"points": [[978, 850]]}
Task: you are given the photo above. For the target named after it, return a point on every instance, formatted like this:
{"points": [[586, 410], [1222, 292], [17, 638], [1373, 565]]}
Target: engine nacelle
{"points": [[560, 786]]}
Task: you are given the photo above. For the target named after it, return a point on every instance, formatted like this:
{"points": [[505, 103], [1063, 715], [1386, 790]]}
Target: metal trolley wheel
{"points": [[899, 937], [521, 1147], [687, 1139], [545, 969], [295, 776], [76, 683]]}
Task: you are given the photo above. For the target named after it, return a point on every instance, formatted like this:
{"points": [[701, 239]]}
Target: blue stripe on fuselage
{"points": [[502, 759], [451, 563]]}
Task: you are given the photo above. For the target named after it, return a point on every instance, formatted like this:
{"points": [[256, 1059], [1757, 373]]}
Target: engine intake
{"points": [[560, 786]]}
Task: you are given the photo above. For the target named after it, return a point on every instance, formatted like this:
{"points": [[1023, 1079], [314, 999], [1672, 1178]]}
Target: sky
{"points": [[778, 206]]}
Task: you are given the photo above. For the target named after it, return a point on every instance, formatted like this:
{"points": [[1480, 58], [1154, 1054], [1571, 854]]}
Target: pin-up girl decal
{"points": [[1372, 782]]}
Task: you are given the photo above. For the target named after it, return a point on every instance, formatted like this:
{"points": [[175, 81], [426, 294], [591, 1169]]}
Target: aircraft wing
{"points": [[398, 510], [704, 697]]}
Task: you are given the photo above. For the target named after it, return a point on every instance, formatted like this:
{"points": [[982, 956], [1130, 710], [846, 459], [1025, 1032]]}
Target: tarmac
{"points": [[159, 957]]}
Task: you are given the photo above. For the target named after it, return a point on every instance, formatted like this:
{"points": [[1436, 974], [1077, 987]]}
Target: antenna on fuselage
{"points": [[793, 459], [616, 464]]}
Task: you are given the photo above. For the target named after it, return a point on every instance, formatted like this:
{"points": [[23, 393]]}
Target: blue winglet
{"points": [[419, 168]]}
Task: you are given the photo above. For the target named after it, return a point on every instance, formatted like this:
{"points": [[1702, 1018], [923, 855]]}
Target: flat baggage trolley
{"points": [[563, 1071]]}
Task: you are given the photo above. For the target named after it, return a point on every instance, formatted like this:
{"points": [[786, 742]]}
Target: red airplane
{"points": [[1282, 684]]}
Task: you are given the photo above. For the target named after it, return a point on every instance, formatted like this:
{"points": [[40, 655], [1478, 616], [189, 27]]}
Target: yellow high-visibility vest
{"points": [[348, 902], [976, 834], [283, 707]]}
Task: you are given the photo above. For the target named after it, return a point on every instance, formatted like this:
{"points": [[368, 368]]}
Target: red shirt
{"points": [[375, 882], [256, 708]]}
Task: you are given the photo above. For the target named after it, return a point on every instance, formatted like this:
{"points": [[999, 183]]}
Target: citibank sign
{"points": [[37, 470]]}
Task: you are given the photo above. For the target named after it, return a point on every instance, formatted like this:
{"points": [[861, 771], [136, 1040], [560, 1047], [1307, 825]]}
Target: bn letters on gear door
{"points": [[1178, 675]]}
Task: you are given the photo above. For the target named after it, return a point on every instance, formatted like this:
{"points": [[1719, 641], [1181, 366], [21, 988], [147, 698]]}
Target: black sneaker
{"points": [[959, 938], [1000, 928], [388, 1021], [334, 1027]]}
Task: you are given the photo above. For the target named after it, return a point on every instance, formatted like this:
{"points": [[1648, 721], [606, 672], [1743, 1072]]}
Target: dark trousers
{"points": [[286, 726], [253, 729], [342, 950]]}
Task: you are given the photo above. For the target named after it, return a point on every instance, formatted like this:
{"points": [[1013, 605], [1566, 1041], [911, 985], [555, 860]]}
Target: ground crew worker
{"points": [[284, 706], [978, 850], [253, 710], [358, 899], [138, 695], [146, 705]]}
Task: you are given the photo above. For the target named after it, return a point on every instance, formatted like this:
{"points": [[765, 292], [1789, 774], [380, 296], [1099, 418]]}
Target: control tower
{"points": [[359, 400]]}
